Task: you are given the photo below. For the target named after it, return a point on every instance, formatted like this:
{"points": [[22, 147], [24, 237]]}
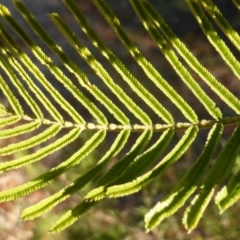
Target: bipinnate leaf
{"points": [[38, 119]]}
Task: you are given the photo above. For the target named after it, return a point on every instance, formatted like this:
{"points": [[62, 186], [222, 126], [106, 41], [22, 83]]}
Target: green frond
{"points": [[37, 119]]}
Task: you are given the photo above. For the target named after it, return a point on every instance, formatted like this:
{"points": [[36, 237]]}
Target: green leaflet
{"points": [[10, 97], [8, 121], [71, 216], [49, 176], [150, 71], [237, 3], [141, 181], [48, 203], [229, 194], [217, 16], [121, 165], [213, 37], [217, 174], [118, 65], [174, 61], [58, 144], [16, 131], [3, 111], [192, 62], [31, 142], [187, 185]]}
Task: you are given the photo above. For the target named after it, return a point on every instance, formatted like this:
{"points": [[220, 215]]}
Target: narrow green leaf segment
{"points": [[226, 27], [7, 121], [217, 174], [174, 61], [187, 185], [31, 142], [237, 3], [3, 111], [229, 194], [46, 178], [122, 164], [150, 71], [71, 216], [10, 97], [193, 63], [213, 37], [47, 204], [138, 183], [118, 65]]}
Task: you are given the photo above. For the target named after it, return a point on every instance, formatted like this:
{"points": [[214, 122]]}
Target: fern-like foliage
{"points": [[143, 163]]}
